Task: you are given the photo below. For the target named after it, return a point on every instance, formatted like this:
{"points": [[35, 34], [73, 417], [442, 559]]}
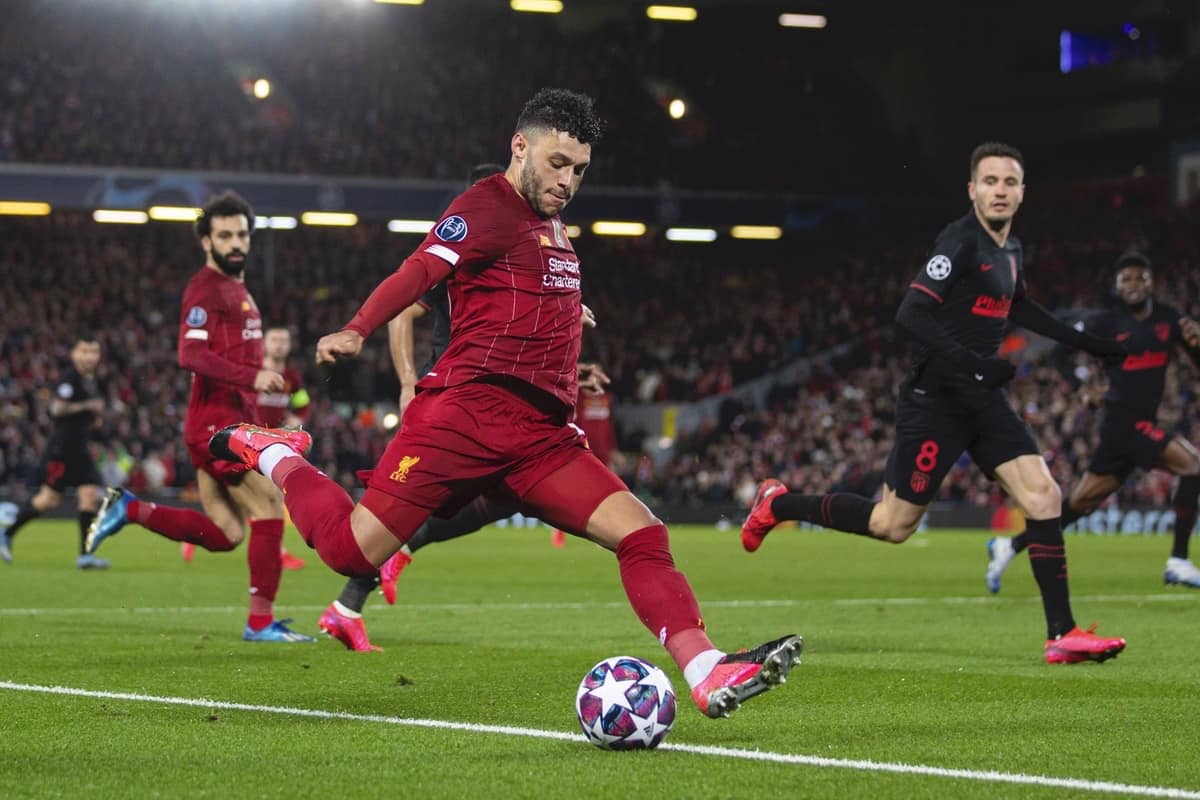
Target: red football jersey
{"points": [[514, 292], [273, 407], [220, 342]]}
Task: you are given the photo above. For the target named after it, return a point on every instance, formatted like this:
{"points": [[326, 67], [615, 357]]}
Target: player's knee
{"points": [[1042, 499], [894, 531]]}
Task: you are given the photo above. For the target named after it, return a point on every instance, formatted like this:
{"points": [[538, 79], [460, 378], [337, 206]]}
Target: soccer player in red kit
{"points": [[492, 416], [220, 342], [286, 407]]}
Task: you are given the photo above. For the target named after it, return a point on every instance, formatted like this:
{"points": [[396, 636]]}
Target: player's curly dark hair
{"points": [[1132, 258], [562, 110], [990, 149], [227, 204]]}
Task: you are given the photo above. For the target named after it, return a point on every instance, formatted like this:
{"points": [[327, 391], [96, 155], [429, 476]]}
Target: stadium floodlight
{"points": [[613, 228], [691, 235], [262, 88], [341, 219], [803, 21], [672, 13], [537, 6], [677, 108], [756, 232], [24, 208], [277, 223], [174, 213], [573, 231], [120, 216], [410, 225]]}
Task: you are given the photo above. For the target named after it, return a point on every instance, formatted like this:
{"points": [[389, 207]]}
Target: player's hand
{"points": [[587, 318], [992, 371], [343, 344], [268, 380], [1190, 330], [95, 405], [407, 392], [592, 379]]}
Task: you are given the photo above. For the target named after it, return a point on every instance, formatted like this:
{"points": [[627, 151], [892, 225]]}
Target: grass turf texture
{"points": [[907, 660]]}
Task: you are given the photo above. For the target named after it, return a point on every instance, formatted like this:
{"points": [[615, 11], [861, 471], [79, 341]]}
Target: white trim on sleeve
{"points": [[444, 253], [197, 333]]}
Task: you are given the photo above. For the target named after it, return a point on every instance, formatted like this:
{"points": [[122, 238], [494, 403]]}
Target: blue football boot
{"points": [[277, 631], [110, 518]]}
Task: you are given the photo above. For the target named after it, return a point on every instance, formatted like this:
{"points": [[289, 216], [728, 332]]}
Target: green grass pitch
{"points": [[915, 682]]}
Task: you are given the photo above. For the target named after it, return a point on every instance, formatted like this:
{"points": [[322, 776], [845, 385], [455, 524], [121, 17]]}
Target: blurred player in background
{"points": [[957, 309], [77, 409], [220, 342], [287, 407], [1129, 434], [493, 414]]}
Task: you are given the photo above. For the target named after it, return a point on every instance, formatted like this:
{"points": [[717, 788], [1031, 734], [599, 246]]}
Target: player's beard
{"points": [[231, 268], [533, 190]]}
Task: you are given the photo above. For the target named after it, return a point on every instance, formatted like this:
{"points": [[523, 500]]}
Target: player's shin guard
{"points": [[266, 563], [180, 525], [85, 521], [841, 512], [660, 594], [1022, 540], [1048, 558], [354, 594], [320, 510], [1185, 503]]}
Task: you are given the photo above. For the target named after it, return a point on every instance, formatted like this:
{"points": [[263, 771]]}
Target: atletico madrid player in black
{"points": [[1129, 434], [957, 309]]}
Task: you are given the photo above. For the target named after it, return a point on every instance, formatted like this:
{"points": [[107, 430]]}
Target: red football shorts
{"points": [[197, 432], [478, 439]]}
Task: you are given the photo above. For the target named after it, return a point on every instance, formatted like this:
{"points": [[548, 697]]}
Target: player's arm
{"points": [[400, 346], [477, 228], [194, 353], [916, 317], [63, 406], [1188, 338], [925, 295], [1033, 316]]}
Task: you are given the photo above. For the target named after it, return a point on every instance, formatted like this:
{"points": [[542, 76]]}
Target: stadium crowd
{"points": [[171, 85], [749, 309]]}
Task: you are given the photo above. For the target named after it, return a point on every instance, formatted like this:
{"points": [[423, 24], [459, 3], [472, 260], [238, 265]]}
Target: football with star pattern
{"points": [[625, 703]]}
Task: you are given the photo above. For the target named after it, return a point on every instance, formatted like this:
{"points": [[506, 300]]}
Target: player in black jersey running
{"points": [[957, 309], [76, 409], [1129, 434]]}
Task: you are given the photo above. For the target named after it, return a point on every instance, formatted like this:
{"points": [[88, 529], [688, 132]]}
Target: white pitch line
{"points": [[861, 765], [1172, 597]]}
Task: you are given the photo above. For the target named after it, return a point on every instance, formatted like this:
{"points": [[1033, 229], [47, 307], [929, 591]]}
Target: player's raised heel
{"points": [[245, 443], [740, 676], [111, 517], [761, 519]]}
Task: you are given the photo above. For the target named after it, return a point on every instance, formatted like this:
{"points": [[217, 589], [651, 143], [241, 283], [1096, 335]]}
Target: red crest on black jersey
{"points": [[1162, 330]]}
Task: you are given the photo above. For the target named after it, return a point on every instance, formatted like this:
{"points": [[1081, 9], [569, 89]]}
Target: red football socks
{"points": [[320, 510], [660, 594], [179, 524]]}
